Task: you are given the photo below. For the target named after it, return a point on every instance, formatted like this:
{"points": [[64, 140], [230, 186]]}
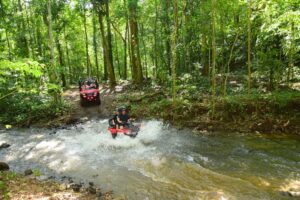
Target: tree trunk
{"points": [[249, 45], [145, 51], [214, 55], [22, 42], [109, 34], [117, 56], [291, 54], [204, 54], [70, 71], [61, 62], [125, 53], [95, 44], [108, 65], [134, 39], [174, 50], [167, 32], [52, 73], [155, 42], [88, 61]]}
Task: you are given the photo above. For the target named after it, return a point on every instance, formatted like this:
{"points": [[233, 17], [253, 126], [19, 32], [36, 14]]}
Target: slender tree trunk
{"points": [[22, 42], [249, 45], [8, 45], [129, 51], [51, 46], [174, 50], [134, 39], [125, 52], [88, 61], [70, 70], [155, 53], [30, 33], [167, 32], [214, 55], [145, 50], [61, 62], [228, 64], [95, 44], [117, 56], [205, 64], [2, 14], [109, 34], [291, 54], [39, 38], [109, 66]]}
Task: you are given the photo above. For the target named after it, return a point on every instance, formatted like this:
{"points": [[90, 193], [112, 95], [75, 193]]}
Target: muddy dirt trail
{"points": [[93, 111]]}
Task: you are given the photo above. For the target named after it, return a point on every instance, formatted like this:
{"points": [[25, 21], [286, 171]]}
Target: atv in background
{"points": [[89, 92]]}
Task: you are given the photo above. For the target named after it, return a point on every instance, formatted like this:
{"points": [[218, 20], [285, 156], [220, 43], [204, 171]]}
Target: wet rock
{"points": [[291, 189], [285, 193], [91, 184], [92, 190], [63, 187], [71, 181], [4, 146], [83, 119], [28, 172], [290, 193], [4, 166], [52, 133], [42, 178], [75, 187], [51, 177], [98, 192]]}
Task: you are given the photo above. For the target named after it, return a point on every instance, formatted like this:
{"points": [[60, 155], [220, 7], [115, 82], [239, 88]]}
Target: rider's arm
{"points": [[119, 120]]}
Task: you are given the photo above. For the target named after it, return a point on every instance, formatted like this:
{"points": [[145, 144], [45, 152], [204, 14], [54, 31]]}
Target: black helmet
{"points": [[120, 109]]}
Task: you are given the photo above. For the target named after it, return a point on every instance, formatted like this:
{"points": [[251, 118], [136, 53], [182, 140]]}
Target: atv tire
{"points": [[98, 101], [82, 102]]}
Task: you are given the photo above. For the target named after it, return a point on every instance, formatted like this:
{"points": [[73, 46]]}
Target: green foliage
{"points": [[24, 93], [4, 178], [276, 102], [36, 172]]}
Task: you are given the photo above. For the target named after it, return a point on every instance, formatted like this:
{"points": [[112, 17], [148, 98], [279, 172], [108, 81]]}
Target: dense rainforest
{"points": [[213, 86], [197, 50]]}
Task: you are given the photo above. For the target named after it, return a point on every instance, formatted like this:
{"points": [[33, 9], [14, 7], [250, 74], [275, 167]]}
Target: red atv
{"points": [[131, 130], [89, 92]]}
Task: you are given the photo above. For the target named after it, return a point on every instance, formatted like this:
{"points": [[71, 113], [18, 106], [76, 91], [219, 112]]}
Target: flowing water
{"points": [[162, 162]]}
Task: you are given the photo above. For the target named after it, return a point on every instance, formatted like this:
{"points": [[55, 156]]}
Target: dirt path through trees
{"points": [[93, 111]]}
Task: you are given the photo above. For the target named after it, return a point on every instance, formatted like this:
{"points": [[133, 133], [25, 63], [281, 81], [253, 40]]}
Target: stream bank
{"points": [[30, 186], [278, 113]]}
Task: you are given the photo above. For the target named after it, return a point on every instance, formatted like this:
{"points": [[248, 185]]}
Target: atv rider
{"points": [[123, 119], [113, 121]]}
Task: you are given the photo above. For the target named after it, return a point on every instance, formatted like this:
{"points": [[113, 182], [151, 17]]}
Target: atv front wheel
{"points": [[98, 101], [82, 102]]}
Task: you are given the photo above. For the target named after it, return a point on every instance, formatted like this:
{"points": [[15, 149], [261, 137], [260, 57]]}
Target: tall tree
{"points": [[249, 45], [100, 9], [88, 61], [95, 44], [174, 49], [214, 54], [51, 46], [137, 72]]}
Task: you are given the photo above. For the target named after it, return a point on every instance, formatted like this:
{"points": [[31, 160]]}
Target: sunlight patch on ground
{"points": [[292, 187]]}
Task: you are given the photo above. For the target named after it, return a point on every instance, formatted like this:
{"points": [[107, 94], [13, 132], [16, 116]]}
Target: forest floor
{"points": [[19, 187]]}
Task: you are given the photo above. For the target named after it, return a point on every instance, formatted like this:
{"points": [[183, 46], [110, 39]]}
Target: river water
{"points": [[161, 162]]}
